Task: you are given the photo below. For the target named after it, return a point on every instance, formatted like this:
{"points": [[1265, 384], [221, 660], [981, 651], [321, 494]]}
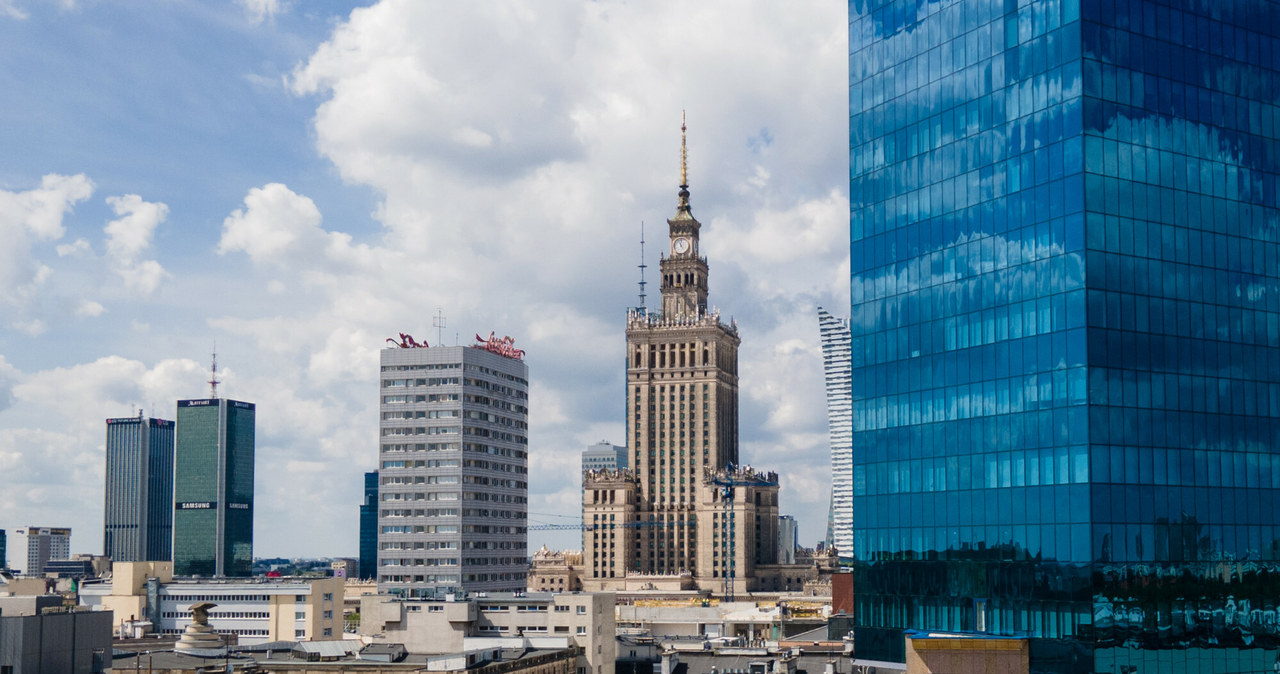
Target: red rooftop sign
{"points": [[407, 342], [503, 346]]}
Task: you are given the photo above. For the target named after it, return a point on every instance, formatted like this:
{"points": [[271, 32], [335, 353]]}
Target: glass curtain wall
{"points": [[1064, 322]]}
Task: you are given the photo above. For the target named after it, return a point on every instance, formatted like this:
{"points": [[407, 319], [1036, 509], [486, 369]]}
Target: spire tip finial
{"points": [[684, 153]]}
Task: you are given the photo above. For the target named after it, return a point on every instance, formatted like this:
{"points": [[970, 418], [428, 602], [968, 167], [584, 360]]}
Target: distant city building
{"points": [[345, 567], [837, 366], [138, 515], [4, 550], [256, 611], [683, 506], [555, 571], [453, 468], [213, 488], [604, 456], [788, 539], [45, 544], [78, 567], [457, 623], [369, 527]]}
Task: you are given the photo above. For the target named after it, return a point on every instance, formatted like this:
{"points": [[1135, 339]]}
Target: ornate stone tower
{"points": [[684, 273], [656, 523]]}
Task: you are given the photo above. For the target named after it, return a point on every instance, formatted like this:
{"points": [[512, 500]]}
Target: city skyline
{"points": [[244, 193]]}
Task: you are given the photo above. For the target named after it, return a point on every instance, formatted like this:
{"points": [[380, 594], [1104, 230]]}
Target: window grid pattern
{"points": [[1065, 314]]}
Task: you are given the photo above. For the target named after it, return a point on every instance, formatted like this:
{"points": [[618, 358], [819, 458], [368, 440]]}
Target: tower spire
{"points": [[683, 205], [684, 153]]}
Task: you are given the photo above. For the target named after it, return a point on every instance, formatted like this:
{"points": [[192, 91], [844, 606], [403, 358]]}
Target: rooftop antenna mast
{"points": [[642, 267], [213, 374], [437, 322]]}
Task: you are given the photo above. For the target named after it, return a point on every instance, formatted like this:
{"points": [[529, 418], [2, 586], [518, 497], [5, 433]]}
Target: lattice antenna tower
{"points": [[213, 375], [642, 266]]}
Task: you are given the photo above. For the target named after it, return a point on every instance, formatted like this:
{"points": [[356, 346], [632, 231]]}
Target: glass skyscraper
{"points": [[138, 512], [213, 488], [836, 368], [369, 527], [1065, 251]]}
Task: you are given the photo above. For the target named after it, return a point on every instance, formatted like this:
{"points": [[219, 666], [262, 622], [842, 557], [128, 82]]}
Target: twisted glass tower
{"points": [[1065, 254]]}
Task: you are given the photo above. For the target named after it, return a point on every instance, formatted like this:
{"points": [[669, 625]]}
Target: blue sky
{"points": [[298, 181]]}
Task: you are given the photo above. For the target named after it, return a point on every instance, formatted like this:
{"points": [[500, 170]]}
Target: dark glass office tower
{"points": [[1065, 319], [369, 527], [138, 512], [213, 488]]}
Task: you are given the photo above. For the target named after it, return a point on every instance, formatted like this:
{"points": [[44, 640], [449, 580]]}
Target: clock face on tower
{"points": [[680, 245]]}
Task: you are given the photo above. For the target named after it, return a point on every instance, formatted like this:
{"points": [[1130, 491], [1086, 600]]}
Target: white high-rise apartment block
{"points": [[836, 364], [453, 468], [46, 544]]}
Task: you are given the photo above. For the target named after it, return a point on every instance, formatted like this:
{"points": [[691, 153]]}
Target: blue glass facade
{"points": [[1065, 252], [138, 508], [213, 488], [369, 527]]}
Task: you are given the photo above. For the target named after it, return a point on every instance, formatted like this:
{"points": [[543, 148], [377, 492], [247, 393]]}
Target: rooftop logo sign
{"points": [[407, 342], [503, 346]]}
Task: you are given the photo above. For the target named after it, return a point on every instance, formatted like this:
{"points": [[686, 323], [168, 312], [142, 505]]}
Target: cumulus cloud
{"points": [[29, 217], [8, 377], [10, 9], [77, 248], [51, 439], [129, 236], [262, 10], [90, 309], [512, 153], [510, 145], [274, 223]]}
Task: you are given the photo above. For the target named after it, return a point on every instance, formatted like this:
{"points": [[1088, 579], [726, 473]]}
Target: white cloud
{"points": [[274, 223], [262, 10], [8, 377], [513, 153], [511, 145], [90, 308], [77, 248], [129, 236], [29, 217], [10, 9]]}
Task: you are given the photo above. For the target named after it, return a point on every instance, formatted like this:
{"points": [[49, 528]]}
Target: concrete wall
{"points": [[55, 642], [24, 586], [432, 627]]}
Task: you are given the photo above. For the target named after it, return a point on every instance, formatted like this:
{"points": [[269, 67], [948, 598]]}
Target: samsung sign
{"points": [[197, 505]]}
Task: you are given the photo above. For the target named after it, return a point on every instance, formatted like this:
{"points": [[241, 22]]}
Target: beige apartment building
{"points": [[256, 610], [684, 507], [466, 622]]}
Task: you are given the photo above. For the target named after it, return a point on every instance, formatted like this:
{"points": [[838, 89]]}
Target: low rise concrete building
{"points": [[749, 621], [256, 610], [37, 636], [457, 623]]}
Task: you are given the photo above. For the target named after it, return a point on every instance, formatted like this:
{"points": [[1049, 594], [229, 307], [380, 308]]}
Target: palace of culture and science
{"points": [[684, 515]]}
